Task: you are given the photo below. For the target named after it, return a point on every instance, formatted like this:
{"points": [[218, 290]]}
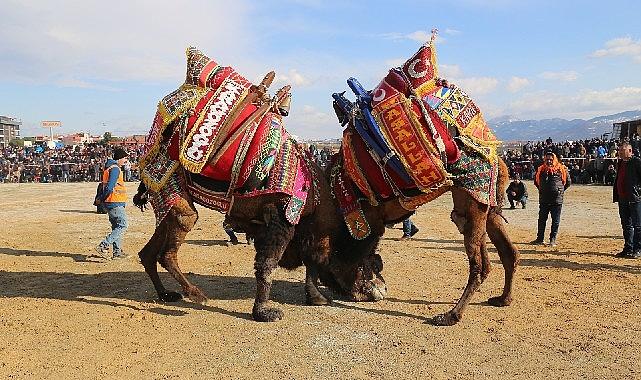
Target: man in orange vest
{"points": [[552, 180], [114, 198]]}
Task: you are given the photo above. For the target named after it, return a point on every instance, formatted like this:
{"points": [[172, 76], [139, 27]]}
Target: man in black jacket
{"points": [[627, 192], [552, 180], [516, 192]]}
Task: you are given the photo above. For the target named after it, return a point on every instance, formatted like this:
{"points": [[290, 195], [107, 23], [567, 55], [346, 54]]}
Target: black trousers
{"points": [[630, 214], [554, 210]]}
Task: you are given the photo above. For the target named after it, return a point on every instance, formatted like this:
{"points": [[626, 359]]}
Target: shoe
{"points": [[552, 243], [635, 255], [414, 231], [523, 206], [103, 251], [406, 237], [121, 255], [537, 242], [625, 253]]}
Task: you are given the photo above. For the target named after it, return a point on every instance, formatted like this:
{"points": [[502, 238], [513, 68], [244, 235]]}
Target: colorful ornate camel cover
{"points": [[432, 129], [216, 140]]}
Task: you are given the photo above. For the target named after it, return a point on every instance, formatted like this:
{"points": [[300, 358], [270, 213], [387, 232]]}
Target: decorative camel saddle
{"points": [[218, 137], [410, 137]]}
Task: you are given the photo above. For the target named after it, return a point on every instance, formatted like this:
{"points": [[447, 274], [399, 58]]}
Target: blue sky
{"points": [[104, 65]]}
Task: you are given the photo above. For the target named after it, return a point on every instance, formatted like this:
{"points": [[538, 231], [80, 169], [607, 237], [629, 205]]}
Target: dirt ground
{"points": [[65, 314]]}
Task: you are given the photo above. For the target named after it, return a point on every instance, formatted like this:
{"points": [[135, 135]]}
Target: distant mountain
{"points": [[511, 129]]}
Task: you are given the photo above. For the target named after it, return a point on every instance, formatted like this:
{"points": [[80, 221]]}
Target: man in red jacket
{"points": [[627, 192]]}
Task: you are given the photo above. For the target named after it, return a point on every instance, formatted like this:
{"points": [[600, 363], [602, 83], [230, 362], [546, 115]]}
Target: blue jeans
{"points": [[118, 219], [555, 211], [630, 214], [408, 226]]}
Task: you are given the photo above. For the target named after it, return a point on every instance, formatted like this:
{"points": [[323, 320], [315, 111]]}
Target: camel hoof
{"points": [[267, 314], [170, 296], [500, 301], [319, 300], [447, 319]]}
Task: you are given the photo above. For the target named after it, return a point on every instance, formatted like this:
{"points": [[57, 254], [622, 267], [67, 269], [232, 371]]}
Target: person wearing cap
{"points": [[551, 179], [516, 192], [114, 199]]}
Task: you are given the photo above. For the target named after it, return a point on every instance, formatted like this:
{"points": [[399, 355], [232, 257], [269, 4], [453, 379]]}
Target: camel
{"points": [[320, 239], [476, 222]]}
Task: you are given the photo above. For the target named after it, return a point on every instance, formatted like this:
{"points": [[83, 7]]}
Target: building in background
{"points": [[9, 130]]}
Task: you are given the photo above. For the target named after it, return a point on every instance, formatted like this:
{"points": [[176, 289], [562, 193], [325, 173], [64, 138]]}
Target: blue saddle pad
{"points": [[368, 129]]}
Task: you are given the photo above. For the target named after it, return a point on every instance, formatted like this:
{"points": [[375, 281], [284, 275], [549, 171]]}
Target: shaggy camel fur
{"points": [[320, 241]]}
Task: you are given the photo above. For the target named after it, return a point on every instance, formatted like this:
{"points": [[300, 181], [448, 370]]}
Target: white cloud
{"points": [[623, 46], [586, 103], [474, 86], [309, 122], [294, 78], [93, 41], [563, 76], [477, 85], [450, 71], [517, 83], [452, 32], [421, 36]]}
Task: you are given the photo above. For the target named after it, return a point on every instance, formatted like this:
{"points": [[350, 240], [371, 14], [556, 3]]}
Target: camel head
{"points": [[354, 269]]}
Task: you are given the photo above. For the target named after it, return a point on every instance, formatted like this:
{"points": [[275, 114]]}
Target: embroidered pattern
{"points": [[198, 144], [165, 198], [348, 203], [404, 132], [476, 175]]}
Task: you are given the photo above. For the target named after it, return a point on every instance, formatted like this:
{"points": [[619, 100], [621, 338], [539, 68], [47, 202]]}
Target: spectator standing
{"points": [[627, 192], [114, 198], [516, 192], [551, 179]]}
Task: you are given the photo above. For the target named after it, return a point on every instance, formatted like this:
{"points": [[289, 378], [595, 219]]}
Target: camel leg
{"points": [[149, 256], [508, 253], [180, 221], [270, 242], [470, 217], [486, 266], [313, 295]]}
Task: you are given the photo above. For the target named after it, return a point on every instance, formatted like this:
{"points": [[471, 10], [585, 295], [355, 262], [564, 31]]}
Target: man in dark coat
{"points": [[627, 192], [516, 192], [552, 180]]}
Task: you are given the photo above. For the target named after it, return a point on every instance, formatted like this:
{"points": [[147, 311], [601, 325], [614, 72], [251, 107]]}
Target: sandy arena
{"points": [[65, 314]]}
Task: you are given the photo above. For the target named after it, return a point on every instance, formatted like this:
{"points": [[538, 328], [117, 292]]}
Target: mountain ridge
{"points": [[508, 128]]}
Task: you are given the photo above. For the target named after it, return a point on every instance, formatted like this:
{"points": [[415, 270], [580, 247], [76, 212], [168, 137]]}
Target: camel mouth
{"points": [[376, 289]]}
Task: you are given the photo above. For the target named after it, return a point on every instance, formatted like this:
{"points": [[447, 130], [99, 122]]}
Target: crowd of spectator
{"points": [[80, 163], [322, 156], [590, 161]]}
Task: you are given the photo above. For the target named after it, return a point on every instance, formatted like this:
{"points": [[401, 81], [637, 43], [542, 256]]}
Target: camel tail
{"points": [[141, 198]]}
